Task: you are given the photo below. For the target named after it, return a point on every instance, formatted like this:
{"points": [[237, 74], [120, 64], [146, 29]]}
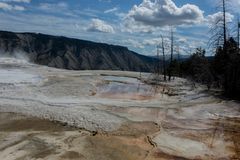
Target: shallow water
{"points": [[121, 79], [125, 88]]}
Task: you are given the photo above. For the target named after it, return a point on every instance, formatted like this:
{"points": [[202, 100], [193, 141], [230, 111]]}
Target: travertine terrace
{"points": [[48, 113]]}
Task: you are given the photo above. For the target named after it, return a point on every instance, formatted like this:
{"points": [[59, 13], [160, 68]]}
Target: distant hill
{"points": [[175, 56], [181, 57], [74, 54]]}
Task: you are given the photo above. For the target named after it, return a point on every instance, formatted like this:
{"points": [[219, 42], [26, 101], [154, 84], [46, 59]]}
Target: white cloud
{"points": [[19, 1], [111, 10], [216, 17], [5, 6], [98, 25], [8, 7], [160, 13]]}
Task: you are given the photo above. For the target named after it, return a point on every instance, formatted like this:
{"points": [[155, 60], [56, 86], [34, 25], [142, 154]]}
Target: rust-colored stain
{"points": [[133, 96]]}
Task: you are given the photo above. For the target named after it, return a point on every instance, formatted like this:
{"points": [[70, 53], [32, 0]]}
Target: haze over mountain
{"points": [[74, 54]]}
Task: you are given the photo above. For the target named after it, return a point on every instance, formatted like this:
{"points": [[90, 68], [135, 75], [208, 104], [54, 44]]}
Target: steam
{"points": [[21, 55], [16, 55]]}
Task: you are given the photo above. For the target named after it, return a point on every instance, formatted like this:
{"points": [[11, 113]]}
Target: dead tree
{"points": [[238, 32], [224, 22], [171, 60], [219, 29], [164, 61], [172, 44], [178, 54], [158, 67]]}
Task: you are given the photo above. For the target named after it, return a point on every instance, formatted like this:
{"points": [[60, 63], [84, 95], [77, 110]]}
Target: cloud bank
{"points": [[161, 13]]}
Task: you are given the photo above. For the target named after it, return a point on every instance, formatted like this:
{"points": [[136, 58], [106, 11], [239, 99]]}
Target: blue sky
{"points": [[136, 24]]}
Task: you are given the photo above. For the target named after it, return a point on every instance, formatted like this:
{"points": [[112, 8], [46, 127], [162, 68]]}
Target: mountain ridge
{"points": [[74, 54]]}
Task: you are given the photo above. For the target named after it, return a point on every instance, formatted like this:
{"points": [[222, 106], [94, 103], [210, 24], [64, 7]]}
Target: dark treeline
{"points": [[221, 71]]}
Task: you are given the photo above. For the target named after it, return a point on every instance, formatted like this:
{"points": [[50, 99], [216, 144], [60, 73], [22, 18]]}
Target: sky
{"points": [[136, 24]]}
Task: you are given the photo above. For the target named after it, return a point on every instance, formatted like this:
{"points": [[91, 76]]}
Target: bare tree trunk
{"points": [[171, 44], [224, 23], [178, 52], [171, 61], [164, 63], [238, 32], [158, 63]]}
